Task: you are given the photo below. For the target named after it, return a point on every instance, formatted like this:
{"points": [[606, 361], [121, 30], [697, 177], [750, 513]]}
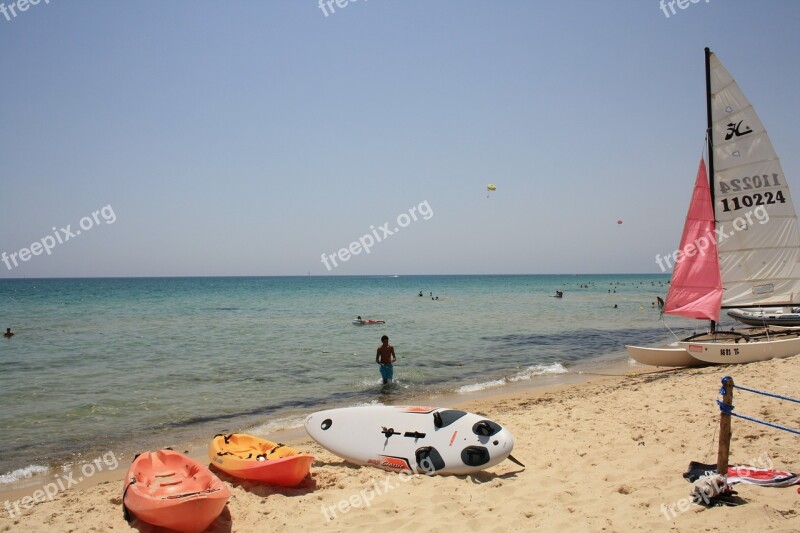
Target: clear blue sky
{"points": [[250, 137]]}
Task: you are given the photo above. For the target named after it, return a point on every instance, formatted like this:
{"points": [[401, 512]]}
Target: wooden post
{"points": [[725, 428]]}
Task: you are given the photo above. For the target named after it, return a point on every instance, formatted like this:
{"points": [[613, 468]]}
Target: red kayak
{"points": [[168, 489]]}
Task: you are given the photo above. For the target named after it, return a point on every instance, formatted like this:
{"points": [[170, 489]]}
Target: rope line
{"points": [[756, 391], [728, 410]]}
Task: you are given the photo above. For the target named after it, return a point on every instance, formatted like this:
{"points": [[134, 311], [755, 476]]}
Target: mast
{"points": [[710, 130], [710, 139]]}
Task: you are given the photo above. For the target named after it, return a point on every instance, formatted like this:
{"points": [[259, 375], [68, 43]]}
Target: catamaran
{"points": [[740, 246]]}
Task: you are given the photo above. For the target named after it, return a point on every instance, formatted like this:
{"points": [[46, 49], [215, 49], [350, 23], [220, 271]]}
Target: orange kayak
{"points": [[255, 459], [168, 489]]}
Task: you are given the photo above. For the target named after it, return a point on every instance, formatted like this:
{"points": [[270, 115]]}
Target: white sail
{"points": [[757, 232]]}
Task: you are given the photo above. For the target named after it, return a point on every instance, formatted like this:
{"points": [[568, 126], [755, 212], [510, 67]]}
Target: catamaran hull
{"points": [[672, 355], [742, 352]]}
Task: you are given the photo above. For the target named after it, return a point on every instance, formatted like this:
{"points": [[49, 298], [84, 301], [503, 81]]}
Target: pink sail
{"points": [[696, 287]]}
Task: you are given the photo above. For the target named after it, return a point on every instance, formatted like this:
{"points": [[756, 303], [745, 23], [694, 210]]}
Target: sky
{"points": [[207, 138]]}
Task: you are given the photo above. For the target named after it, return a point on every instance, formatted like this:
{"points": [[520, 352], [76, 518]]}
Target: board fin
{"points": [[515, 460]]}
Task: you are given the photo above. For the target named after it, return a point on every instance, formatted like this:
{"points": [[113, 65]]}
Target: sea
{"points": [[116, 364]]}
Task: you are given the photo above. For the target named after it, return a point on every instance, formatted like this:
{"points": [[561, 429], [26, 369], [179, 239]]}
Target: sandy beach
{"points": [[607, 455]]}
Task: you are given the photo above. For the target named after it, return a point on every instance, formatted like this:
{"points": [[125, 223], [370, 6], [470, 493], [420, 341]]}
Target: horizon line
{"points": [[335, 276]]}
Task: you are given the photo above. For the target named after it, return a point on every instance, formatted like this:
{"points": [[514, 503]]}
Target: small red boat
{"points": [[168, 489], [254, 459]]}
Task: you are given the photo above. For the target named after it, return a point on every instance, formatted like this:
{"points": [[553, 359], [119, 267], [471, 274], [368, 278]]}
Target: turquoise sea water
{"points": [[106, 364]]}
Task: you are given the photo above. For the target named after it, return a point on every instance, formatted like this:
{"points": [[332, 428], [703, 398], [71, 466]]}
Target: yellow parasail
{"points": [[491, 187]]}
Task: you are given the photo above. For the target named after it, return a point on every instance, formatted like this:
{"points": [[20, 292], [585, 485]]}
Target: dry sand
{"points": [[602, 456]]}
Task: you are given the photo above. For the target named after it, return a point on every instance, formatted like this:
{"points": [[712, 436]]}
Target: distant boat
{"points": [[784, 316], [747, 263]]}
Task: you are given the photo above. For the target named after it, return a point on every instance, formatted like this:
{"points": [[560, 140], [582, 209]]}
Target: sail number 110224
{"points": [[735, 203]]}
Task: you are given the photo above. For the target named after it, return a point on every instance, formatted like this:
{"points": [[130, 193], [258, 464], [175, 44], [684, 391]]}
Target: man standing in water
{"points": [[385, 357]]}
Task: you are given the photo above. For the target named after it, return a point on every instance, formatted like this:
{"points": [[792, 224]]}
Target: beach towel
{"points": [[744, 474]]}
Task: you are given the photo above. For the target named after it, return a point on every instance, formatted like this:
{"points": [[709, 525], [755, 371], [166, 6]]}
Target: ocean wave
{"points": [[20, 473], [522, 375], [371, 383], [538, 370], [370, 403], [475, 387], [278, 424]]}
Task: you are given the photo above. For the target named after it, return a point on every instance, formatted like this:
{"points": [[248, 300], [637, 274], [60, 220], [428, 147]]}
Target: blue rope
{"points": [[768, 394], [728, 409], [778, 396], [725, 408], [776, 426], [725, 381]]}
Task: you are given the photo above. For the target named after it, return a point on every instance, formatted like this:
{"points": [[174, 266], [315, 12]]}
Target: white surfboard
{"points": [[425, 440]]}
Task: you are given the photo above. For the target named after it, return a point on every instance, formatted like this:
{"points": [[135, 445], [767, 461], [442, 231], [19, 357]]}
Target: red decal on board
{"points": [[393, 463], [418, 409]]}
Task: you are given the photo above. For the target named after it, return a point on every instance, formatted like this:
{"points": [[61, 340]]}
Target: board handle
{"points": [[389, 432]]}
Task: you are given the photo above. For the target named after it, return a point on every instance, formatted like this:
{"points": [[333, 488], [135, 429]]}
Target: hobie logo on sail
{"points": [[733, 130]]}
